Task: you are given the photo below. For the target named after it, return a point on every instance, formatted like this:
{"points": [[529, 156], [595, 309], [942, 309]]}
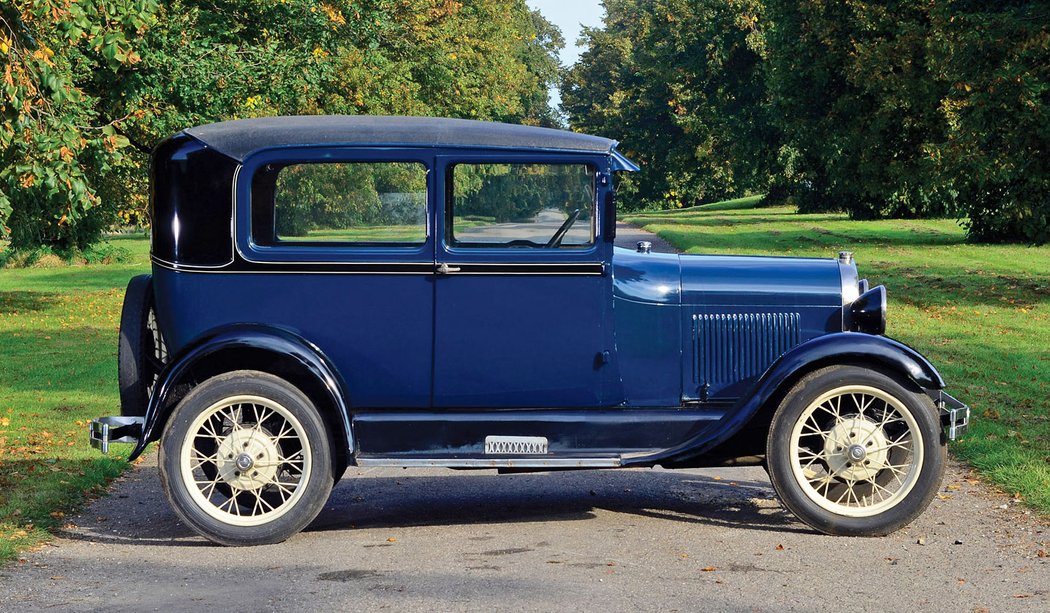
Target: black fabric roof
{"points": [[241, 137]]}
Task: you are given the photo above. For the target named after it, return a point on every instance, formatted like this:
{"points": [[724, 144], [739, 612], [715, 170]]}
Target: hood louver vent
{"points": [[730, 348]]}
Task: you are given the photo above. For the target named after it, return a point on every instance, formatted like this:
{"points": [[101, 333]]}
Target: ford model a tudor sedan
{"points": [[381, 291]]}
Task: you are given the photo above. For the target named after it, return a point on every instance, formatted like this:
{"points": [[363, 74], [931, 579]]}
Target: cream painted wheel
{"points": [[246, 459], [855, 451]]}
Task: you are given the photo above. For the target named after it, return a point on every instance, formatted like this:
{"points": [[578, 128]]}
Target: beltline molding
{"points": [[392, 268]]}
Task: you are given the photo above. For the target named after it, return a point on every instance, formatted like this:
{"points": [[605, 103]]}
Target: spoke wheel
{"points": [[854, 451], [246, 459]]}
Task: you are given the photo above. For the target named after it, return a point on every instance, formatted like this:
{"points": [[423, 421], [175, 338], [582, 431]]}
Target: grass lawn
{"points": [[58, 361], [980, 313]]}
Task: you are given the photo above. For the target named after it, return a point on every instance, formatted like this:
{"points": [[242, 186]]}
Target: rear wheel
{"points": [[246, 459], [853, 451]]}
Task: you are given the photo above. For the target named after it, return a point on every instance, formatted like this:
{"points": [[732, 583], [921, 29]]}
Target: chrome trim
{"points": [[184, 267], [955, 416], [114, 429], [518, 462], [850, 282], [226, 269], [516, 445]]}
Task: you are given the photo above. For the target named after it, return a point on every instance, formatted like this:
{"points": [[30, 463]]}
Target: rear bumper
{"points": [[114, 429], [955, 416]]}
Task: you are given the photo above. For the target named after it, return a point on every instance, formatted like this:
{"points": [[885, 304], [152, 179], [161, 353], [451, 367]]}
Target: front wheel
{"points": [[853, 451], [246, 459]]}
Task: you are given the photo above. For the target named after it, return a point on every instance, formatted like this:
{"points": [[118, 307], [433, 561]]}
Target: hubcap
{"points": [[240, 452], [856, 449]]}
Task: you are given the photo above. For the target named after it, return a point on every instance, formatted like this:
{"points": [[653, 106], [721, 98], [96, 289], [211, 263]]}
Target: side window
{"points": [[521, 205], [340, 203]]}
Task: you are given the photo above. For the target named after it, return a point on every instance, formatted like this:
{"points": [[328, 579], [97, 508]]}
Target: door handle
{"points": [[444, 269]]}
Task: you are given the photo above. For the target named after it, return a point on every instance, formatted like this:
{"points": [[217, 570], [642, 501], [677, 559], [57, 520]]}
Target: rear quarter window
{"points": [[340, 203]]}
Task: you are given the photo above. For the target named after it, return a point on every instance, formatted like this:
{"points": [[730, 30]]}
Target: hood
{"points": [[762, 281]]}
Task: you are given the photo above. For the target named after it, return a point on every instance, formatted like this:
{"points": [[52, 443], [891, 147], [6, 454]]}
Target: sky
{"points": [[568, 15]]}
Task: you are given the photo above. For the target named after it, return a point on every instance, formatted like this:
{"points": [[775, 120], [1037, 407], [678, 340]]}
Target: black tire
{"points": [[887, 482], [278, 427], [141, 353]]}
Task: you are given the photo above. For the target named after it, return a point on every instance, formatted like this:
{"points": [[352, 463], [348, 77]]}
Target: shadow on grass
{"points": [[19, 301], [53, 360], [81, 278], [38, 492], [951, 286]]}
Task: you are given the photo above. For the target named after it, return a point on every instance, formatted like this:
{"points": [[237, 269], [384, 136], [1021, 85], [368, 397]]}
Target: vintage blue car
{"points": [[406, 291]]}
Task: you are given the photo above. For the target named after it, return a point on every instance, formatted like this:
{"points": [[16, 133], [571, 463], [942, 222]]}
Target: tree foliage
{"points": [[90, 86], [881, 108], [679, 82], [995, 60], [53, 144], [856, 100]]}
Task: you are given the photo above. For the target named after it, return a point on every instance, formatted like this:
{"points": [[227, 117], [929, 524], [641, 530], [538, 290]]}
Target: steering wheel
{"points": [[560, 234]]}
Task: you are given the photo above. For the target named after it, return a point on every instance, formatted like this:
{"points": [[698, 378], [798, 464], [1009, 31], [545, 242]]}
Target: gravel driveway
{"points": [[638, 539]]}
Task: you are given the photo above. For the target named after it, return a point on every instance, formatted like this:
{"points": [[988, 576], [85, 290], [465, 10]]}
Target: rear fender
{"points": [[229, 342]]}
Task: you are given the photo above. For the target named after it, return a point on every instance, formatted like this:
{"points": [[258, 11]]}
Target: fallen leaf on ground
{"points": [[708, 569], [392, 539]]}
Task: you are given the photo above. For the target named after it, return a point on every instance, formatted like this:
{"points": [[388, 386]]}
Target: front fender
{"points": [[240, 337], [827, 350], [852, 347]]}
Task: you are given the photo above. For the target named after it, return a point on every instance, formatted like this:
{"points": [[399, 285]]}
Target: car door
{"points": [[521, 293]]}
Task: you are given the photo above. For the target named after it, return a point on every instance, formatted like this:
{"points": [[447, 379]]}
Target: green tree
{"points": [[53, 141], [996, 59], [856, 98], [87, 82], [681, 84]]}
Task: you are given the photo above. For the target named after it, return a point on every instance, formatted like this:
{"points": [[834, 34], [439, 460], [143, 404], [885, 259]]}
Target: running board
{"points": [[571, 437], [516, 462]]}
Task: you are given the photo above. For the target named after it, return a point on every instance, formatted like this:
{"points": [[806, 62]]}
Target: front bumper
{"points": [[955, 416], [114, 429]]}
